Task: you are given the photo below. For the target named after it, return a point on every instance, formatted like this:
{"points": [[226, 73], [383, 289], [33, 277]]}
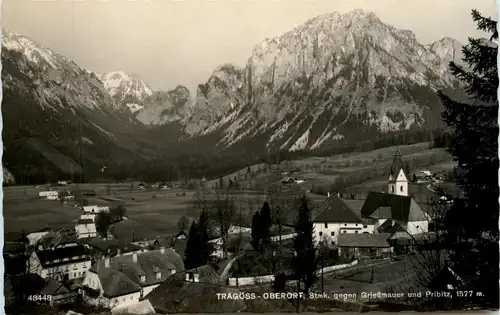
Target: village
{"points": [[382, 243]]}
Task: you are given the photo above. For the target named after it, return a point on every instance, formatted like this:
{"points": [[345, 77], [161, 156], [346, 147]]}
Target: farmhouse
{"points": [[336, 217], [85, 227], [66, 195], [57, 239], [49, 195], [396, 205], [95, 209], [60, 263], [124, 279]]}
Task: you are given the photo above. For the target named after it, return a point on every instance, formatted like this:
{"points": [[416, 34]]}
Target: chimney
{"points": [[162, 249], [173, 271], [134, 257], [188, 278], [106, 262], [338, 194], [328, 194], [196, 277]]}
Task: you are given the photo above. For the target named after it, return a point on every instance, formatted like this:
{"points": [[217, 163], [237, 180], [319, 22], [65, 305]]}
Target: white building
{"points": [[337, 217], [49, 195], [396, 205], [85, 227], [124, 279], [95, 209], [60, 263]]}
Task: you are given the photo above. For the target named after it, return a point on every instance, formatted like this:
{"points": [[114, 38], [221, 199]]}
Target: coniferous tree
{"points": [[473, 221], [305, 262], [256, 233], [192, 248], [199, 250], [265, 220]]}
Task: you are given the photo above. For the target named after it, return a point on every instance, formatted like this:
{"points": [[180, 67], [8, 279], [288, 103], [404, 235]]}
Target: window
{"points": [[344, 231], [320, 233], [326, 225], [356, 232], [345, 224], [143, 278], [365, 226], [418, 226], [356, 224], [333, 233], [401, 188], [158, 275], [392, 188]]}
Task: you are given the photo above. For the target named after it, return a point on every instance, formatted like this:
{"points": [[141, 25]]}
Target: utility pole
{"points": [[322, 272]]}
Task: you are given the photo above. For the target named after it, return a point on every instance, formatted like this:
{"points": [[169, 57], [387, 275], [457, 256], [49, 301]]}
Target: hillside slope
{"points": [[58, 118]]}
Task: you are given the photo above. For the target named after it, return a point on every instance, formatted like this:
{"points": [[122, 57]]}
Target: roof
{"points": [[179, 296], [124, 275], [73, 253], [397, 165], [402, 208], [207, 274], [54, 239], [142, 307], [53, 287], [391, 226], [112, 246], [377, 240], [180, 247], [85, 221], [334, 209]]}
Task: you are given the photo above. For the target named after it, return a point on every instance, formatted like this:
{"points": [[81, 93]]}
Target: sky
{"points": [[171, 42]]}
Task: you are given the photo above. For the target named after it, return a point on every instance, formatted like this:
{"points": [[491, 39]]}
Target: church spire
{"points": [[397, 164], [398, 181]]}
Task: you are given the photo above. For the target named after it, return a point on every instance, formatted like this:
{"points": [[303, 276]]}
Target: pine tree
{"points": [[265, 220], [256, 233], [192, 248], [473, 221], [305, 262], [198, 250]]}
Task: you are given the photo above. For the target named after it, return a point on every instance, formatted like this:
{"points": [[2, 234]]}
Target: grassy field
{"points": [[161, 209], [157, 210], [318, 171]]}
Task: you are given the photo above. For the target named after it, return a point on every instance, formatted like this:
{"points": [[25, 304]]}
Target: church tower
{"points": [[398, 180]]}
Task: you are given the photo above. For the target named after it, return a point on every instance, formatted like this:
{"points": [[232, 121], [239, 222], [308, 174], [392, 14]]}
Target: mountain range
{"points": [[339, 78]]}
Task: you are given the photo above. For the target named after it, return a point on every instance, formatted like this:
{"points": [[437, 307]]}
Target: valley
{"points": [[309, 91], [160, 210]]}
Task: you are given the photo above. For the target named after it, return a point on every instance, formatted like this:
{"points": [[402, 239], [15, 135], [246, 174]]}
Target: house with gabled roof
{"points": [[60, 263], [125, 279], [364, 245], [396, 204], [336, 217]]}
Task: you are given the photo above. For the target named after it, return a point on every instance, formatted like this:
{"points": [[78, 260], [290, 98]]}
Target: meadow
{"points": [[160, 210]]}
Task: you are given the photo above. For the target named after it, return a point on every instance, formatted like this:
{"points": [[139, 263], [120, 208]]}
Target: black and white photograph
{"points": [[249, 156]]}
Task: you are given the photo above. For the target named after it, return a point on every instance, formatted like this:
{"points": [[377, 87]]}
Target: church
{"points": [[395, 210], [393, 213]]}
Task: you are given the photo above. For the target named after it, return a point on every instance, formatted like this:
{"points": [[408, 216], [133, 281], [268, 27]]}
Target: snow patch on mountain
{"points": [[134, 107], [121, 85]]}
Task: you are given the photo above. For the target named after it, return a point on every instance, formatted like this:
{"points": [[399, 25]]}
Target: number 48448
{"points": [[39, 298]]}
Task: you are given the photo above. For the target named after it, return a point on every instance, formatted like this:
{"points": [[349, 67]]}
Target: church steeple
{"points": [[397, 181]]}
